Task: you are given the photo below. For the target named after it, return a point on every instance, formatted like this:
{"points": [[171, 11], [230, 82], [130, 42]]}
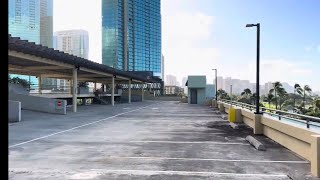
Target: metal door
{"points": [[193, 96]]}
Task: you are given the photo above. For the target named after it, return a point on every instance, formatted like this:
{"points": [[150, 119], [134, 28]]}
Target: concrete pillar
{"points": [[214, 103], [95, 87], [238, 115], [84, 101], [142, 92], [40, 85], [70, 87], [315, 155], [129, 92], [258, 127], [112, 91], [221, 107], [75, 85]]}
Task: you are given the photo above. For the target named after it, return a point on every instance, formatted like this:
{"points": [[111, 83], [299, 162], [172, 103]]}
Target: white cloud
{"points": [[183, 34], [281, 70], [184, 28]]}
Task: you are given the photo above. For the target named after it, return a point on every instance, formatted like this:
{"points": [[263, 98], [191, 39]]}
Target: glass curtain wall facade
{"points": [[131, 35], [24, 23], [112, 33], [24, 19]]}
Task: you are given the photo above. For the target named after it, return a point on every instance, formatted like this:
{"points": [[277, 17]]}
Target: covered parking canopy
{"points": [[28, 58]]}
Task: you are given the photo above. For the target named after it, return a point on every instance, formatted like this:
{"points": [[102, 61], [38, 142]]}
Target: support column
{"points": [[95, 87], [257, 126], [40, 85], [112, 91], [142, 92], [315, 155], [74, 87], [70, 85], [129, 92]]}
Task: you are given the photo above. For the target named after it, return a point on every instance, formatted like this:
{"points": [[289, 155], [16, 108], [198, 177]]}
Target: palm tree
{"points": [[298, 89], [282, 94], [276, 86], [222, 94], [317, 103], [246, 92], [307, 89], [269, 98], [253, 98]]}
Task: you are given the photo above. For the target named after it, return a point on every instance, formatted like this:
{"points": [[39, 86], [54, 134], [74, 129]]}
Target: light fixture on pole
{"points": [[258, 67]]}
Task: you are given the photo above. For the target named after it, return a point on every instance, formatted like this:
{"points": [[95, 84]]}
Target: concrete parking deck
{"points": [[143, 140]]}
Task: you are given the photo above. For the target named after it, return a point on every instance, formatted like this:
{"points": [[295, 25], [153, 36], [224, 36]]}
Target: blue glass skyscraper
{"points": [[131, 35], [24, 21]]}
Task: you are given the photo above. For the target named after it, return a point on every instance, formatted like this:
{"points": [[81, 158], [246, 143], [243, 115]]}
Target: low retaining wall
{"points": [[14, 111], [55, 106], [304, 142]]}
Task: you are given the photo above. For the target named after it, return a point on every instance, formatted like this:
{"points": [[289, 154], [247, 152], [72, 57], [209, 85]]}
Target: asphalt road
{"points": [[143, 140]]}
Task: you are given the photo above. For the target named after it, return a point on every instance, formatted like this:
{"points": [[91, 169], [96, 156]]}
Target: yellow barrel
{"points": [[232, 115]]}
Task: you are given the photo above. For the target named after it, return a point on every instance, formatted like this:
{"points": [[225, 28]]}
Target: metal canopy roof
{"points": [[28, 58]]}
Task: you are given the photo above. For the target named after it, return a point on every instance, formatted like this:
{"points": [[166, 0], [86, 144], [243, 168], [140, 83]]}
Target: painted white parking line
{"points": [[185, 173], [203, 159], [188, 142], [171, 132], [77, 127]]}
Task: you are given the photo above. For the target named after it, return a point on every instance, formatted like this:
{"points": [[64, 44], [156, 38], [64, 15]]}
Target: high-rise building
{"points": [[46, 23], [46, 35], [131, 35], [267, 87], [23, 22], [227, 82], [75, 42], [162, 67], [220, 82], [171, 80], [24, 19]]}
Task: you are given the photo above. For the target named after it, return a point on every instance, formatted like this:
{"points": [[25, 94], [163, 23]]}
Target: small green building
{"points": [[198, 91]]}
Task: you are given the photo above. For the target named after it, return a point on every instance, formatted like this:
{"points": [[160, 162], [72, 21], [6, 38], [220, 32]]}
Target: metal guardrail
{"points": [[279, 113]]}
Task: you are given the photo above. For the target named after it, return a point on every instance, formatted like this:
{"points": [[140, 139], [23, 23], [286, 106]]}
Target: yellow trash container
{"points": [[232, 114]]}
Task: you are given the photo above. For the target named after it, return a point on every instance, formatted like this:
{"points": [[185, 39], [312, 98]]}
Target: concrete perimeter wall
{"points": [[304, 142], [14, 111], [55, 106]]}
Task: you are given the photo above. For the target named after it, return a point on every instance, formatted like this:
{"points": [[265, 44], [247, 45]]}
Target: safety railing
{"points": [[54, 89], [305, 119]]}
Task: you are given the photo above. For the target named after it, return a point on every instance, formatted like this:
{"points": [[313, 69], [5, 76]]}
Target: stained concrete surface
{"points": [[143, 140]]}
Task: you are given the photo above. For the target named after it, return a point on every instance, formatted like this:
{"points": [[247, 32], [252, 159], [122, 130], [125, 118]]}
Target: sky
{"points": [[199, 35]]}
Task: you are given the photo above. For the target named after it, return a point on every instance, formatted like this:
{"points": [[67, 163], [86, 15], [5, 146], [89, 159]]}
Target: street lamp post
{"points": [[216, 84], [258, 67]]}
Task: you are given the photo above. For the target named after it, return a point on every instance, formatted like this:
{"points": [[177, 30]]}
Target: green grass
{"points": [[266, 104]]}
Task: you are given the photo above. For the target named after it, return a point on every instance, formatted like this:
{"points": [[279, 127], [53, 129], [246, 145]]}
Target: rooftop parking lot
{"points": [[143, 140]]}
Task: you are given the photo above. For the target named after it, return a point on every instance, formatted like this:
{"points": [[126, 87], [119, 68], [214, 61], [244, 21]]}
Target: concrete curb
{"points": [[233, 125], [258, 145]]}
